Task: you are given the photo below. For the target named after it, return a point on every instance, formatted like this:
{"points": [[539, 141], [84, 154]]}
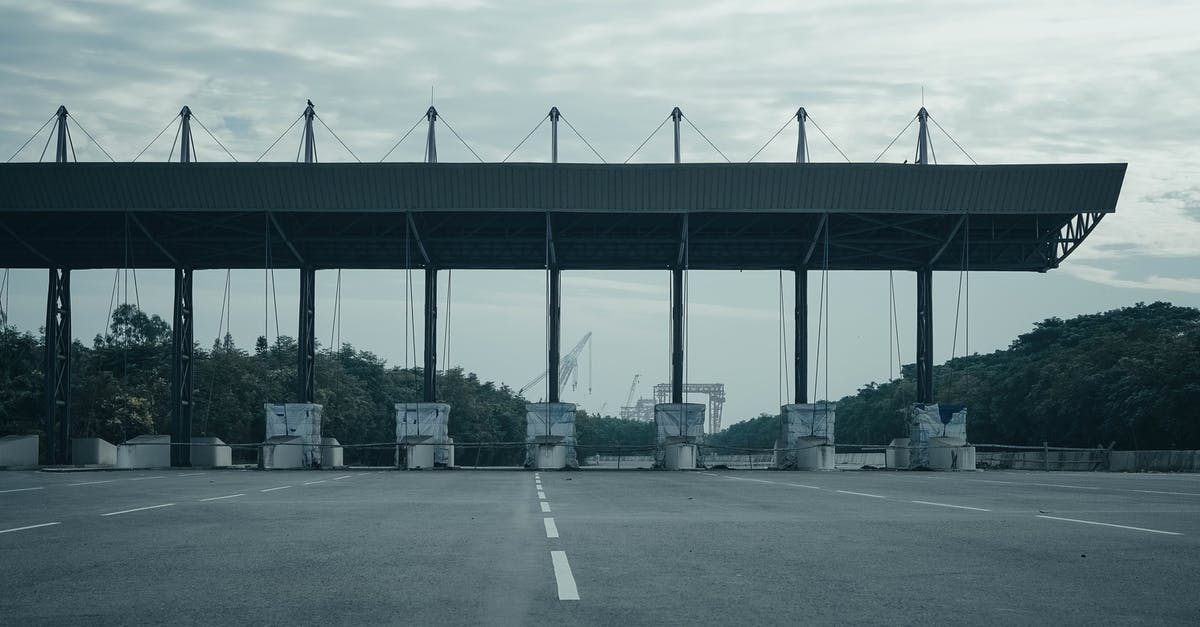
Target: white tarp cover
{"points": [[676, 420], [550, 419], [302, 420], [414, 420], [931, 421], [803, 420]]}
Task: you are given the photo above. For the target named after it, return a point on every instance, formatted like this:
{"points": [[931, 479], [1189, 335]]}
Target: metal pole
{"points": [[676, 116], [60, 151], [923, 137], [310, 141], [677, 335], [925, 335], [185, 142], [555, 333], [182, 346], [801, 332], [430, 333], [802, 138], [431, 137], [58, 366], [307, 337], [554, 115]]}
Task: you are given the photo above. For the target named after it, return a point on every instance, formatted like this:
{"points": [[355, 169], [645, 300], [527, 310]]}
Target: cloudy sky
{"points": [[1012, 82]]}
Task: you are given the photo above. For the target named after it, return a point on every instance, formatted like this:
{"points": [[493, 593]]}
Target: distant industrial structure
{"points": [[643, 409]]}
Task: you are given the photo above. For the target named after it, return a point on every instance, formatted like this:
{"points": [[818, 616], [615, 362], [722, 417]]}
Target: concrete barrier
{"points": [[1154, 461], [862, 459], [331, 453], [211, 453], [282, 451], [93, 452], [18, 451], [145, 451]]}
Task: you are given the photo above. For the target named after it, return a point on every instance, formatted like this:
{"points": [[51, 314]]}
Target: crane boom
{"points": [[568, 365]]}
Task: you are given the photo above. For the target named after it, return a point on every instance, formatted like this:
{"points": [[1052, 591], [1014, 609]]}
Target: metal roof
{"points": [[456, 215]]}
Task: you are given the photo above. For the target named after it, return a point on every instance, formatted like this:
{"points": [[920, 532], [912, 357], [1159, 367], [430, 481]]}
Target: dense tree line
{"points": [[1130, 375]]}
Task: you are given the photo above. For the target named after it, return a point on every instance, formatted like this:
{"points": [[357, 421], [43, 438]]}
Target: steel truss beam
{"points": [[182, 351], [925, 335], [431, 291], [306, 349]]}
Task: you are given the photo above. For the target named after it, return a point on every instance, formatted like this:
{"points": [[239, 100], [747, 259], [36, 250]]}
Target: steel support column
{"points": [[801, 331], [306, 349], [58, 367], [430, 334], [182, 346], [925, 335], [677, 335], [555, 344]]}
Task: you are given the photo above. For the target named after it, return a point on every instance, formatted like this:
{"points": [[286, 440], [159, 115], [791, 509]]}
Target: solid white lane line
{"points": [[312, 482], [567, 591], [145, 478], [1063, 485], [217, 498], [137, 509], [192, 474], [974, 509], [29, 527], [19, 490], [801, 485], [874, 496], [342, 477], [282, 487], [541, 495], [551, 528], [1102, 524], [545, 507], [1163, 492], [91, 482]]}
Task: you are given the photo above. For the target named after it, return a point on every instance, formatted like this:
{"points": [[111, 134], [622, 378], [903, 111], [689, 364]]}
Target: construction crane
{"points": [[627, 409], [567, 367]]}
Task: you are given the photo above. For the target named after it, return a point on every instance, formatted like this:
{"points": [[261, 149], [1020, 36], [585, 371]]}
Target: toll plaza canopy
{"points": [[568, 216]]}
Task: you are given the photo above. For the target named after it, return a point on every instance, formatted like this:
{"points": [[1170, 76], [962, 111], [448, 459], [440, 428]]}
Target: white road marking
{"points": [[145, 478], [801, 485], [312, 482], [91, 482], [192, 474], [217, 498], [342, 477], [1092, 522], [551, 528], [1162, 492], [1062, 485], [567, 591], [137, 509], [545, 507], [874, 496], [541, 495], [974, 509], [19, 490], [29, 527], [282, 487]]}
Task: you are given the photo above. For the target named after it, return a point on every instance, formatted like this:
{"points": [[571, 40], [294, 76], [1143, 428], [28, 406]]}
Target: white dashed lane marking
{"points": [[567, 591], [145, 478], [217, 498], [342, 477], [551, 528], [282, 487], [1103, 524], [874, 496], [541, 495], [91, 482], [312, 482], [974, 509], [19, 490], [137, 509], [545, 507], [29, 527]]}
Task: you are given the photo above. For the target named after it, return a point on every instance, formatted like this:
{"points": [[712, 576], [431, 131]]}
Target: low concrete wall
{"points": [[1038, 460], [859, 460], [93, 452], [211, 453], [283, 451], [331, 453], [18, 451], [1157, 461]]}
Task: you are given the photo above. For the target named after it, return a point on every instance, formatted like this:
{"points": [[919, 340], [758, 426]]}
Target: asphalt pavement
{"points": [[597, 547]]}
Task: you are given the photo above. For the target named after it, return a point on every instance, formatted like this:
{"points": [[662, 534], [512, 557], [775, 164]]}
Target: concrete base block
{"points": [[93, 452], [679, 456], [331, 453], [282, 451], [211, 453], [897, 455], [145, 451], [420, 456], [946, 453], [18, 451], [551, 456], [815, 453]]}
